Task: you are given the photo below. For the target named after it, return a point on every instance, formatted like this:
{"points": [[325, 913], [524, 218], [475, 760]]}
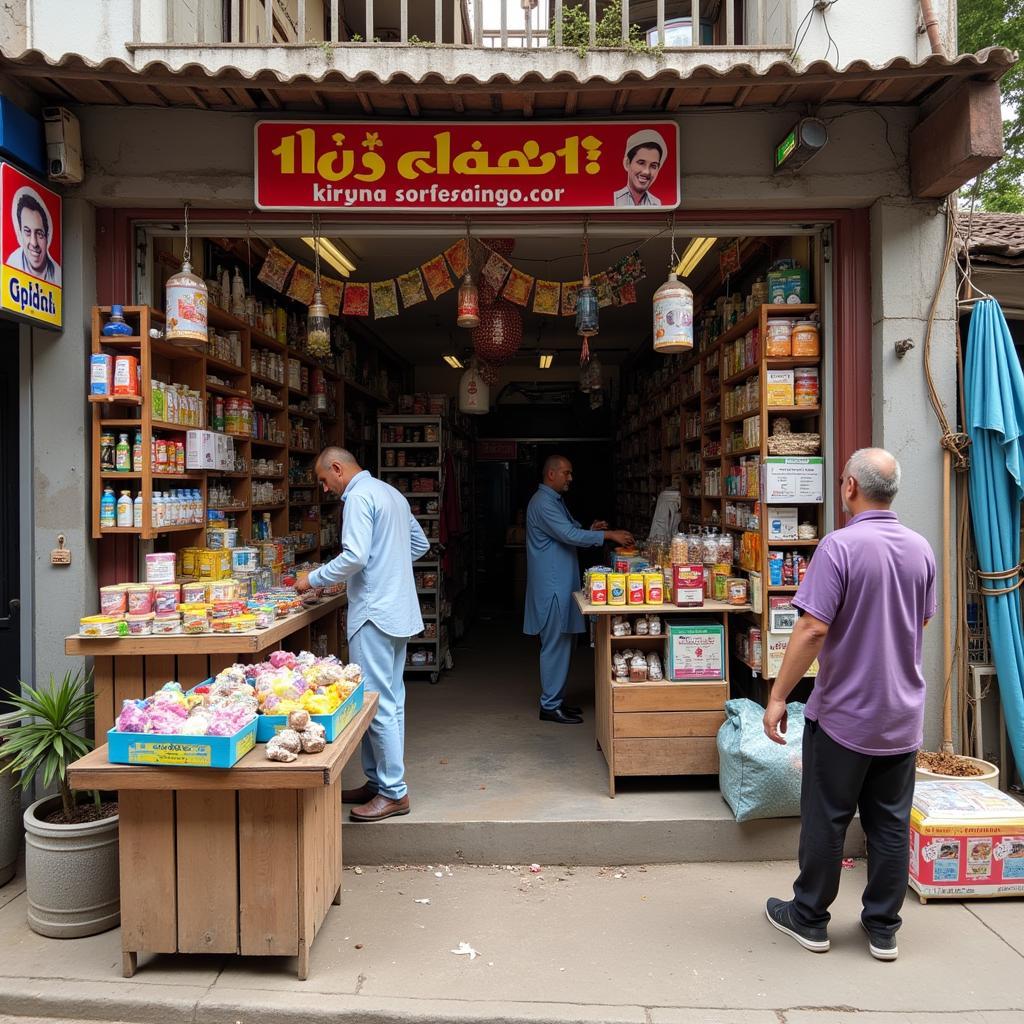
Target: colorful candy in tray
{"points": [[219, 709], [289, 682]]}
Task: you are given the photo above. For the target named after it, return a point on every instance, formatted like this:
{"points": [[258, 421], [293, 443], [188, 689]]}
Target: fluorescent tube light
{"points": [[546, 359], [330, 254], [454, 362], [695, 252]]}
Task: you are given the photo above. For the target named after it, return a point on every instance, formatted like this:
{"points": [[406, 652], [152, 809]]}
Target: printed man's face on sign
{"points": [[33, 238], [643, 168]]}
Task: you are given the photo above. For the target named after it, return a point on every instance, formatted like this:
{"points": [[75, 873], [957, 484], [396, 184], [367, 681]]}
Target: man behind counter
{"points": [[552, 574]]}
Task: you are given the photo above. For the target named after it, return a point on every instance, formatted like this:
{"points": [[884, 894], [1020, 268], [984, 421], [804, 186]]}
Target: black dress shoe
{"points": [[571, 709], [561, 716]]}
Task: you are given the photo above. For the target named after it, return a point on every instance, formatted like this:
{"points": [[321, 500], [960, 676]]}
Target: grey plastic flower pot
{"points": [[10, 814], [71, 874]]}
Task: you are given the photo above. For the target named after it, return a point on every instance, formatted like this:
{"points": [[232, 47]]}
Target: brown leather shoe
{"points": [[379, 808], [364, 794]]}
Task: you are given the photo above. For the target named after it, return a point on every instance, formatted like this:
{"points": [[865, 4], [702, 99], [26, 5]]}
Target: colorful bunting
{"points": [[357, 299], [518, 287], [302, 285], [546, 297], [495, 270], [438, 279], [276, 268], [411, 288], [457, 256], [570, 290], [385, 299], [330, 292]]}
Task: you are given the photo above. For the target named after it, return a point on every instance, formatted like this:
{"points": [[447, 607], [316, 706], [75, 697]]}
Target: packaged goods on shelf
{"points": [[176, 403], [779, 387], [788, 284], [782, 522], [226, 346]]}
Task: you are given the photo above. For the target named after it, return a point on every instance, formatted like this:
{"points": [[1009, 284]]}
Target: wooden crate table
{"points": [[129, 668], [656, 728], [238, 860]]}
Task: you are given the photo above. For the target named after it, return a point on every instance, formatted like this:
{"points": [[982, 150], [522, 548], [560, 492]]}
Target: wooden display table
{"points": [[239, 860], [663, 728], [127, 668]]}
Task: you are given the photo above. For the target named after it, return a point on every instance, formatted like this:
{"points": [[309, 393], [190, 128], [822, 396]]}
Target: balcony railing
{"points": [[499, 24]]}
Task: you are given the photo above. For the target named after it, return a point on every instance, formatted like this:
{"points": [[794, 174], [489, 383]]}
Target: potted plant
{"points": [[71, 852], [10, 809]]}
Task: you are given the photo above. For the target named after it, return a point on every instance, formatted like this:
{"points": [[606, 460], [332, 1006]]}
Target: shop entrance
{"points": [[637, 426]]}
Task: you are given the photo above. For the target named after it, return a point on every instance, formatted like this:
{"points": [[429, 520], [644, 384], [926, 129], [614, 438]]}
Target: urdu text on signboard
{"points": [[467, 167], [30, 246]]}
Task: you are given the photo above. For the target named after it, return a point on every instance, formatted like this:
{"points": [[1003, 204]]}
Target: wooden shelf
{"points": [[787, 589], [794, 543], [113, 474], [116, 399], [367, 393], [223, 364], [223, 389], [178, 476], [742, 451], [104, 422], [270, 507], [263, 403], [279, 445], [739, 417], [178, 427], [269, 381], [795, 412]]}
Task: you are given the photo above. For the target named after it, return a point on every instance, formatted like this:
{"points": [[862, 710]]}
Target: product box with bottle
{"points": [[788, 286]]}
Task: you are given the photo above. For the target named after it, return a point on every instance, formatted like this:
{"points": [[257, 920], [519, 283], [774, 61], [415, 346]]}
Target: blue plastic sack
{"points": [[759, 778]]}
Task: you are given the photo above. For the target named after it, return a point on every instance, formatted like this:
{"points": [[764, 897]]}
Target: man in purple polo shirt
{"points": [[867, 595]]}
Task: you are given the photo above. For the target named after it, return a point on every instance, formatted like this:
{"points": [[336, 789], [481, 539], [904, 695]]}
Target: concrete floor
{"points": [[665, 944], [490, 783]]}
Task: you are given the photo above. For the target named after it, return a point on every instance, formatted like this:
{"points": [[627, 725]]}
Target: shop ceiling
{"points": [[425, 332], [516, 89]]}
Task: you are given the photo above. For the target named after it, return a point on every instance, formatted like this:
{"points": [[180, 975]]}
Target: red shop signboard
{"points": [[468, 167]]}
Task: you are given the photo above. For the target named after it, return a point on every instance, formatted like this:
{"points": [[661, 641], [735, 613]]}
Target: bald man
{"points": [[552, 574], [864, 603], [380, 540]]}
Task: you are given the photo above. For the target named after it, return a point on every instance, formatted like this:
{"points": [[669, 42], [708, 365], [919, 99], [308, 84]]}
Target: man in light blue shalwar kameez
{"points": [[552, 574], [380, 540]]}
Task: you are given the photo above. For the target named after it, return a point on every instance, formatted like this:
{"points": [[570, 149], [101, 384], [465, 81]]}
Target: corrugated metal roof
{"points": [[540, 82]]}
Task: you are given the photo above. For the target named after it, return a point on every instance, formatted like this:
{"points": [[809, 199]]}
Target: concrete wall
{"points": [[865, 158], [906, 243], [60, 453], [873, 30]]}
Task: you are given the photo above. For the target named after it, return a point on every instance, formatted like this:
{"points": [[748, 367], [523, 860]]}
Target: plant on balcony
{"points": [[575, 24]]}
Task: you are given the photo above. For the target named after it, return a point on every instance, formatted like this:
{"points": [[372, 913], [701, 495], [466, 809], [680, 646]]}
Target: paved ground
{"points": [[489, 779], [668, 944]]}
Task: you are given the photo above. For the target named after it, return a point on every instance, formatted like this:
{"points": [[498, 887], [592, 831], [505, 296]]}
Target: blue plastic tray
{"points": [[180, 751], [334, 723]]}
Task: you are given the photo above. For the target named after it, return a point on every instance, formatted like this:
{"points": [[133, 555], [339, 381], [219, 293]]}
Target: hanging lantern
{"points": [[586, 309], [186, 299], [499, 334], [469, 303], [474, 394], [673, 317], [318, 328]]}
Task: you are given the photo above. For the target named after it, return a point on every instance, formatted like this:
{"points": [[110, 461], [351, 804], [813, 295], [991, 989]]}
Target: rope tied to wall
{"points": [[957, 444]]}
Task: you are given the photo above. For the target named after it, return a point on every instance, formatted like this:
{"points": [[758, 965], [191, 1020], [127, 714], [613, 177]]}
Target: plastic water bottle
{"points": [[108, 508], [124, 509], [158, 508], [137, 511]]}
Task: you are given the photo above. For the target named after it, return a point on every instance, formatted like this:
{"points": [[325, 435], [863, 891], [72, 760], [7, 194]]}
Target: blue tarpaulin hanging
{"points": [[994, 399]]}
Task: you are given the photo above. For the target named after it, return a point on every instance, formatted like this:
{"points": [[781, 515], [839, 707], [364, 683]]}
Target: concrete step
{"points": [[706, 835]]}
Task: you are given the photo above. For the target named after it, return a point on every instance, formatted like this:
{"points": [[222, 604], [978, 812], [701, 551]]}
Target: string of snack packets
{"points": [[615, 286]]}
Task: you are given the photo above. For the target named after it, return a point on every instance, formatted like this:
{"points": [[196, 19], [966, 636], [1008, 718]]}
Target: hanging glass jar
{"points": [[469, 303], [318, 328], [673, 317], [186, 298], [586, 310]]}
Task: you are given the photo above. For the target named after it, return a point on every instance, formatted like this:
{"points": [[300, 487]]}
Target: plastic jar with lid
{"points": [[806, 339], [779, 341]]}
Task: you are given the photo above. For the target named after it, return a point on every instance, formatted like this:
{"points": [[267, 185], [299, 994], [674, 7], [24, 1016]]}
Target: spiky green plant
{"points": [[46, 741]]}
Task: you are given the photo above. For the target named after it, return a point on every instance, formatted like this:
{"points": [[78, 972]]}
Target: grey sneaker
{"points": [[881, 946], [779, 914]]}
